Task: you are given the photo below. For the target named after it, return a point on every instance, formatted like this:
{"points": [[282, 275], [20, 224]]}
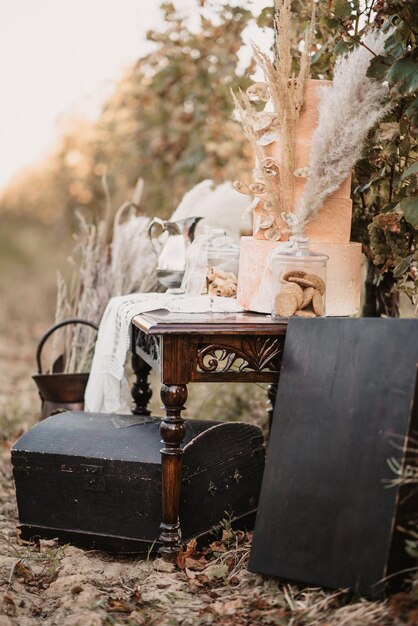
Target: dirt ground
{"points": [[66, 586]]}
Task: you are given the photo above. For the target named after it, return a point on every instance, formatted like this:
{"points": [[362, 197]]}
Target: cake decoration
{"points": [[305, 149]]}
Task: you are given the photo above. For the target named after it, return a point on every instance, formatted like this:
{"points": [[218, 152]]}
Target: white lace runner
{"points": [[107, 389]]}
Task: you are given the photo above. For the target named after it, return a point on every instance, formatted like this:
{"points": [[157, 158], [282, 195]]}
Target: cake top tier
{"points": [[308, 118], [333, 221]]}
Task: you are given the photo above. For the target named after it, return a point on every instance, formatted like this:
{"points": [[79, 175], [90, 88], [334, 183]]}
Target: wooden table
{"points": [[198, 347]]}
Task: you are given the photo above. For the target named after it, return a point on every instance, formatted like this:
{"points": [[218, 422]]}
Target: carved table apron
{"points": [[198, 347]]}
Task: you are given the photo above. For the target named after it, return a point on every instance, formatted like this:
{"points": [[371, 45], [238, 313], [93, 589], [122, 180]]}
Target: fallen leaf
{"points": [[137, 595], [9, 605], [183, 555], [194, 584], [190, 548], [196, 564], [117, 605], [138, 619], [227, 535], [218, 546], [36, 611], [413, 618], [216, 571], [227, 608], [23, 571], [218, 607], [47, 544], [181, 559], [259, 603], [164, 566], [162, 585], [401, 604]]}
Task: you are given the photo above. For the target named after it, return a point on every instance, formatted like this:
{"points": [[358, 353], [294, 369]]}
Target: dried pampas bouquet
{"points": [[347, 111], [348, 108], [274, 179]]}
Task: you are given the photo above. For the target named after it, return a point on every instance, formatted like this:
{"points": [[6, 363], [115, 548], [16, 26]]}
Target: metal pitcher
{"points": [[172, 257]]}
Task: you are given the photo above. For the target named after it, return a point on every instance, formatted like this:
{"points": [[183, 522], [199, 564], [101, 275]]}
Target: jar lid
{"points": [[298, 249], [222, 243]]}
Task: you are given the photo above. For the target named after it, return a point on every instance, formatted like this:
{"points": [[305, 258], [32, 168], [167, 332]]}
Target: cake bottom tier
{"points": [[255, 287]]}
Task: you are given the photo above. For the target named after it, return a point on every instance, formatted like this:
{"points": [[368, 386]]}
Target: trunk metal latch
{"points": [[93, 479]]}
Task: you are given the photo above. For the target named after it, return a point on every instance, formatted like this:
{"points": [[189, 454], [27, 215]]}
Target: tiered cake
{"points": [[329, 233]]}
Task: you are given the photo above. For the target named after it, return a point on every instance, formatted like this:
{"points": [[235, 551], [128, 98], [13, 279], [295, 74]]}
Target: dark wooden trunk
{"points": [[346, 405], [95, 479]]}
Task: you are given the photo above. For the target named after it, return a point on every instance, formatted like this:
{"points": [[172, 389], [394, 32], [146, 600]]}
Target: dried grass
{"points": [[347, 111], [91, 288], [111, 257], [286, 90], [134, 262], [331, 608]]}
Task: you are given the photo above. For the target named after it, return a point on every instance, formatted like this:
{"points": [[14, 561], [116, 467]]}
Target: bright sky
{"points": [[59, 56]]}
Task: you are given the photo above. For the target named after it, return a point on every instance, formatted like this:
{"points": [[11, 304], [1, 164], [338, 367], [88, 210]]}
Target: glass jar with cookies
{"points": [[299, 280], [222, 265]]}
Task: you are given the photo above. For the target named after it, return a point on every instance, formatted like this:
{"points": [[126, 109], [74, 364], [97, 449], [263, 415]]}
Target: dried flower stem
{"points": [[287, 92], [245, 114]]}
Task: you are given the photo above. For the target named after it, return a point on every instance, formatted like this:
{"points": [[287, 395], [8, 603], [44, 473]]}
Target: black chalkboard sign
{"points": [[346, 403]]}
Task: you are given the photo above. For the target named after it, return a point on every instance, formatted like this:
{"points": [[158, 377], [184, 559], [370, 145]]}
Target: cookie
{"points": [[294, 273], [317, 282], [229, 288], [231, 276], [213, 273], [302, 313], [307, 296], [302, 282], [317, 303], [214, 289], [224, 288], [295, 290], [285, 304]]}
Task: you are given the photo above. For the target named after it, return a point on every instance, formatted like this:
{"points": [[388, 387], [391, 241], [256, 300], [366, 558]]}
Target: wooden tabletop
{"points": [[163, 322]]}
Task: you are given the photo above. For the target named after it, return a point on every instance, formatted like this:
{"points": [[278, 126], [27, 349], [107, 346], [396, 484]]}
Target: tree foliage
{"points": [[169, 120], [385, 188]]}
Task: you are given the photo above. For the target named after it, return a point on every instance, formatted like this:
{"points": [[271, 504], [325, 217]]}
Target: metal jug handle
{"points": [[193, 228], [154, 222], [52, 329]]}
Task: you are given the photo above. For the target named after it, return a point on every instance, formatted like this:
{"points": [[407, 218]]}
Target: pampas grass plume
{"points": [[347, 111]]}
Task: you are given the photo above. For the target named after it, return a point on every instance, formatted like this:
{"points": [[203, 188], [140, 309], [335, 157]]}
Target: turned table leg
{"points": [[173, 429], [271, 395], [141, 389]]}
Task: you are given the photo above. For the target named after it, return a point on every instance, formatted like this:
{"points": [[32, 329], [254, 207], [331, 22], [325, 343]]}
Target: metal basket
{"points": [[60, 391]]}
